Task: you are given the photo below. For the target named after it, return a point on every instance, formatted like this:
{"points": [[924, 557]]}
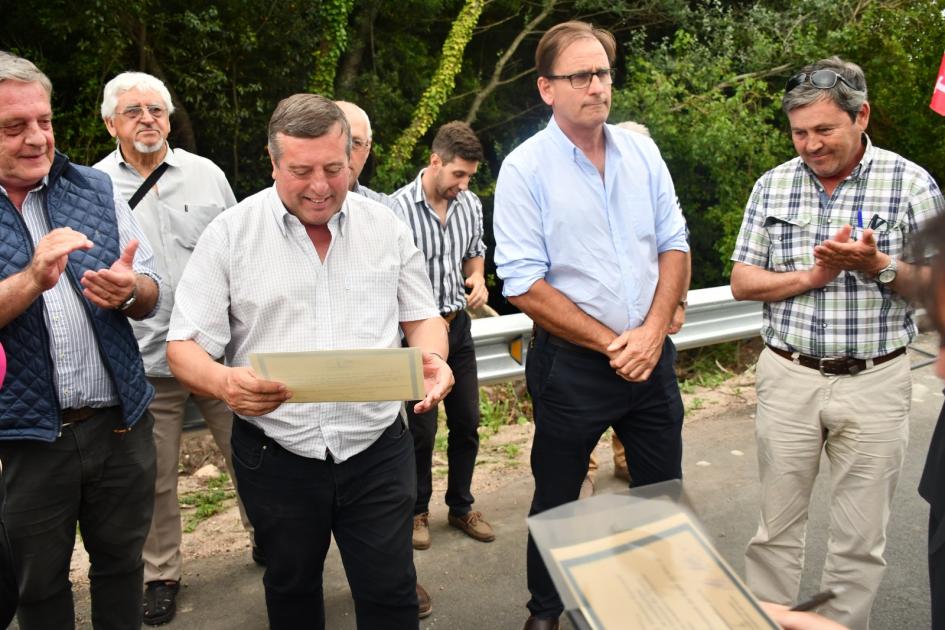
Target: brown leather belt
{"points": [[836, 366], [74, 416], [449, 317]]}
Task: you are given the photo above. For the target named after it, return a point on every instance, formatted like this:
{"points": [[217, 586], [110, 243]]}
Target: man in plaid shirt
{"points": [[822, 245]]}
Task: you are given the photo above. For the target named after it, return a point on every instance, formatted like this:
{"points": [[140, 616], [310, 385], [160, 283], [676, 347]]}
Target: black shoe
{"points": [[159, 602], [258, 556]]}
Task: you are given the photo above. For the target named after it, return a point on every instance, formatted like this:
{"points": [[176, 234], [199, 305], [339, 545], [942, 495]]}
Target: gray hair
{"points": [[849, 100], [14, 68], [133, 81], [306, 116]]}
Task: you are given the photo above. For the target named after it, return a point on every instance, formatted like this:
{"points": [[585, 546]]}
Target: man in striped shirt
{"points": [[75, 431], [446, 220], [822, 244]]}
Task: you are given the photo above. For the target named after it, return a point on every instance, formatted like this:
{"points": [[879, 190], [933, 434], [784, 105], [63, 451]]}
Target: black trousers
{"points": [[576, 397], [8, 595], [462, 422], [101, 477], [295, 505]]}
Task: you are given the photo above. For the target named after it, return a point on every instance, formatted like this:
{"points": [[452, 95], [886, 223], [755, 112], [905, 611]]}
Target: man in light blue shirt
{"points": [[591, 244]]}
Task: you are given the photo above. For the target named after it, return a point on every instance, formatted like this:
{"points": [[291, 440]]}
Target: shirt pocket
{"points": [[372, 303], [890, 240], [188, 222], [789, 238]]}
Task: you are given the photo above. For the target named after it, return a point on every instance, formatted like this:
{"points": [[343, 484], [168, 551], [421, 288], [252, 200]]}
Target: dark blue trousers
{"points": [[295, 505], [576, 397]]}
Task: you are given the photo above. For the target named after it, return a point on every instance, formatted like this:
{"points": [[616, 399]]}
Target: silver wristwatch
{"points": [[887, 275], [124, 306]]}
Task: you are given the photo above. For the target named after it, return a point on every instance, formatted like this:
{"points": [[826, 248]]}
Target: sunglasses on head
{"points": [[823, 79]]}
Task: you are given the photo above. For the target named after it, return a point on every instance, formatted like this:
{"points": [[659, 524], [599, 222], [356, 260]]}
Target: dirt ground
{"points": [[504, 449]]}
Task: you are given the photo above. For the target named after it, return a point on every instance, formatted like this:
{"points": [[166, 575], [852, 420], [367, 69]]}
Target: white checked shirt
{"points": [[444, 246], [789, 213], [256, 284], [81, 378]]}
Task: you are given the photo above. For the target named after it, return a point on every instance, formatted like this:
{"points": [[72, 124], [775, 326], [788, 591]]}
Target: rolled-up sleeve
{"points": [[129, 230], [520, 254], [753, 245], [202, 300], [670, 223], [414, 293]]}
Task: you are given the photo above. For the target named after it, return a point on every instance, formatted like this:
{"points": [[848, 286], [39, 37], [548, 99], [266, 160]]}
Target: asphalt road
{"points": [[476, 585]]}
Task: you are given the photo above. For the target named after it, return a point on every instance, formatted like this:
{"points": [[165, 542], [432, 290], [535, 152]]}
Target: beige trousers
{"points": [[862, 423], [620, 458], [162, 556]]}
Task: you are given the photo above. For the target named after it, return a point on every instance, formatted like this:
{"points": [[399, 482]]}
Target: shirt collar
{"points": [[862, 167], [170, 157], [281, 214], [43, 182], [565, 143]]}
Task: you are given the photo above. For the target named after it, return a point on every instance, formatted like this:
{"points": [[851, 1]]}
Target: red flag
{"points": [[938, 96]]}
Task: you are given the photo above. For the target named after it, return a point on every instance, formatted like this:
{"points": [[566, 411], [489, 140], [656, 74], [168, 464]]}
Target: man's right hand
{"points": [[248, 395], [52, 254]]}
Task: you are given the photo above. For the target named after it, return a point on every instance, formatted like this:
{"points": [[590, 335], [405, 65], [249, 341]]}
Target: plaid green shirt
{"points": [[788, 214]]}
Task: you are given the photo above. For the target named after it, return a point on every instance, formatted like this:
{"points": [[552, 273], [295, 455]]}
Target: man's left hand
{"points": [[635, 352], [478, 293], [109, 288], [437, 382], [842, 253]]}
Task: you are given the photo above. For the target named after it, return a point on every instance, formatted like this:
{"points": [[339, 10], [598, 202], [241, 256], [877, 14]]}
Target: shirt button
{"points": [[824, 324], [56, 318]]}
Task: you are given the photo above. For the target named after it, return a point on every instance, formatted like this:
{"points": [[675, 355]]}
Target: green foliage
{"points": [[705, 75], [396, 165], [334, 39], [710, 94], [206, 503]]}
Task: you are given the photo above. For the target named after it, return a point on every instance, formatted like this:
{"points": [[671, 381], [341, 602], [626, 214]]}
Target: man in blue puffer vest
{"points": [[75, 435]]}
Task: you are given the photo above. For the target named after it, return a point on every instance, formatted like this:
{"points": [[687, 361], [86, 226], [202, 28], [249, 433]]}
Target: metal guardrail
{"points": [[713, 316]]}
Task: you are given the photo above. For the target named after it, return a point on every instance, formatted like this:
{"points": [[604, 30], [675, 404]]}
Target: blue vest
{"points": [[80, 198]]}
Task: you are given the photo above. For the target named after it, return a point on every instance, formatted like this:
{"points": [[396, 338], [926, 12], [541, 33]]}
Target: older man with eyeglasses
{"points": [[822, 244], [174, 195]]}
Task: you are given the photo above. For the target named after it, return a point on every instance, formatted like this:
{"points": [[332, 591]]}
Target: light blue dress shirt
{"points": [[595, 240]]}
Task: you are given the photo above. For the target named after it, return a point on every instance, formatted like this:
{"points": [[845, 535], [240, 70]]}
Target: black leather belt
{"points": [[540, 335], [449, 317], [836, 366], [74, 416]]}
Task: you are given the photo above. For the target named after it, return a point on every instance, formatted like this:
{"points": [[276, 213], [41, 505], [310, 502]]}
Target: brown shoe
{"points": [[425, 608], [473, 525], [421, 531], [541, 623]]}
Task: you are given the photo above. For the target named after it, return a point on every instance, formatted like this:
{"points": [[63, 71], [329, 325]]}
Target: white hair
{"points": [[130, 81]]}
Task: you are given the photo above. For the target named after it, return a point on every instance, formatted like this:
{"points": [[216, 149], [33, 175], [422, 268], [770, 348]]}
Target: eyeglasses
{"points": [[135, 112], [823, 79], [580, 80], [360, 145]]}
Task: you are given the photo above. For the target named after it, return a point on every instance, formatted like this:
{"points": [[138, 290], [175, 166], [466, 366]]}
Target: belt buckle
{"points": [[820, 366]]}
